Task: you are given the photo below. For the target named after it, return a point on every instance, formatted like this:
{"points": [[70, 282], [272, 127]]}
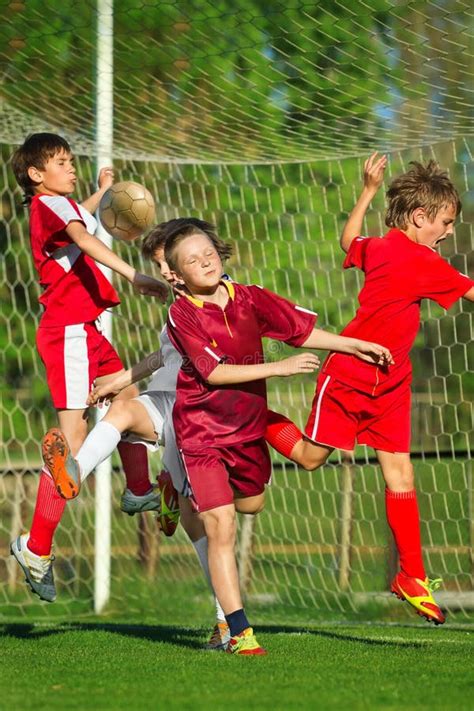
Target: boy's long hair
{"points": [[168, 234], [425, 186], [34, 153]]}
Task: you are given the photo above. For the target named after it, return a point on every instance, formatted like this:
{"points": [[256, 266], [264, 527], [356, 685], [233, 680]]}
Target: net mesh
{"points": [[256, 121]]}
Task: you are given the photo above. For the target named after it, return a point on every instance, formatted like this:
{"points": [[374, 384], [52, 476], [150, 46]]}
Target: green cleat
{"points": [[245, 643]]}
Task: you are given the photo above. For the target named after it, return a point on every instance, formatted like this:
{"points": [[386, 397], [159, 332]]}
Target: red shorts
{"points": [[215, 475], [74, 356], [340, 416]]}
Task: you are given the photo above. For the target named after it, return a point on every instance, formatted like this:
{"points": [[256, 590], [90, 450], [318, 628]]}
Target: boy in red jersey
{"points": [[74, 352], [220, 414], [356, 402]]}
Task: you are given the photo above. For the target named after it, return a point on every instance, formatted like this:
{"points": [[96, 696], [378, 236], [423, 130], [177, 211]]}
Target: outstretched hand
{"points": [[148, 286], [374, 169], [301, 363], [373, 353]]}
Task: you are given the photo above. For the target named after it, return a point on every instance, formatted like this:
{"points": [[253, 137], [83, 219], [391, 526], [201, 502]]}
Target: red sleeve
{"points": [[281, 319], [355, 256], [436, 279], [188, 337]]}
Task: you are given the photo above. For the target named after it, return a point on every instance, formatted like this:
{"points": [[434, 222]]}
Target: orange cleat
{"points": [[61, 465], [418, 593]]}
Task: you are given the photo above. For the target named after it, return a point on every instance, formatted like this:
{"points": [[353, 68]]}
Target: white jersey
{"points": [[165, 378]]}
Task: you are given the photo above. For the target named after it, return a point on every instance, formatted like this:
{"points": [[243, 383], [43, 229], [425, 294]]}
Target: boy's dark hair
{"points": [[167, 235], [424, 186], [35, 152]]}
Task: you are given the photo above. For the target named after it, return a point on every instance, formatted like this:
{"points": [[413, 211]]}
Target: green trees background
{"points": [[257, 117]]}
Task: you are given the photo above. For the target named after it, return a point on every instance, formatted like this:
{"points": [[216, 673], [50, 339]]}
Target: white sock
{"points": [[98, 445], [200, 547]]}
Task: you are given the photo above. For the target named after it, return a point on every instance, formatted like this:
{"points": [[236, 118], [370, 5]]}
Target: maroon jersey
{"points": [[75, 290], [205, 334], [398, 274]]}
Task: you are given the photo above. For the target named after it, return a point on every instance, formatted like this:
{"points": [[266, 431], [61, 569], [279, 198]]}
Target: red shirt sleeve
{"points": [[281, 319], [190, 339], [436, 279], [355, 256]]}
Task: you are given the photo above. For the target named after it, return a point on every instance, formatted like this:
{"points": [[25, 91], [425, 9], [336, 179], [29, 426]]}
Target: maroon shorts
{"points": [[74, 356], [214, 476], [340, 416]]}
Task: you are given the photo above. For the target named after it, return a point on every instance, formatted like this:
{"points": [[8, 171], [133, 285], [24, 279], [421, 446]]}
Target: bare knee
{"points": [[397, 471], [310, 456], [221, 526]]}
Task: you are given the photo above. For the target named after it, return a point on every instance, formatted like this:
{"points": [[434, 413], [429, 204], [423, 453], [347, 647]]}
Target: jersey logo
{"points": [[214, 343]]}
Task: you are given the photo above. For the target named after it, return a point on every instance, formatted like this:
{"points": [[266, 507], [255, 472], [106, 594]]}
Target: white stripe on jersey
{"points": [[76, 366], [66, 213], [318, 407], [306, 311], [171, 319], [214, 355], [66, 256]]}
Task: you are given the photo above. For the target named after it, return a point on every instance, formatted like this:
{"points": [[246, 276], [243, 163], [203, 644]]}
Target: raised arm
{"points": [[373, 178], [369, 352], [105, 180], [96, 249]]}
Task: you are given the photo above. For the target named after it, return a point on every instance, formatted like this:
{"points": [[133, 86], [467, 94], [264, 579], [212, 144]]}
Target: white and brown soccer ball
{"points": [[127, 210]]}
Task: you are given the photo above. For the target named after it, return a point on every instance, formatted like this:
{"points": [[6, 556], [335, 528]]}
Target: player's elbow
{"points": [[345, 242], [469, 295]]}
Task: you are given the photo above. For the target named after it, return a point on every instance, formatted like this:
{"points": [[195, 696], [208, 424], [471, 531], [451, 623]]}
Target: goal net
{"points": [[258, 121]]}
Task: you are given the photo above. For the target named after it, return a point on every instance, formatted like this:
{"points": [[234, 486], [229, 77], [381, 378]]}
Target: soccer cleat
{"points": [[419, 594], [132, 504], [168, 517], [61, 464], [38, 569], [245, 643], [220, 637]]}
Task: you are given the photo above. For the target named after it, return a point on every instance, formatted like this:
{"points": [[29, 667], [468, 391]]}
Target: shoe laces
{"points": [[41, 567], [434, 584]]}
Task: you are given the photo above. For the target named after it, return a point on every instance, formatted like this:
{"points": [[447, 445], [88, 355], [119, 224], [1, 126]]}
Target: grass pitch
{"points": [[96, 665]]}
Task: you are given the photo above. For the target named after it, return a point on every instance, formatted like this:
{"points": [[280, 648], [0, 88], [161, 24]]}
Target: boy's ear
{"points": [[34, 174], [418, 217], [178, 279]]}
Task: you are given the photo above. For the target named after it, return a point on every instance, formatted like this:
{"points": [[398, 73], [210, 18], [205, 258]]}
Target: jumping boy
{"points": [[220, 414], [356, 402], [74, 352]]}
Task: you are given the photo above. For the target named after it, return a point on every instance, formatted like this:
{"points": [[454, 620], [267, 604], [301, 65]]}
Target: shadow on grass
{"points": [[194, 638], [175, 635]]}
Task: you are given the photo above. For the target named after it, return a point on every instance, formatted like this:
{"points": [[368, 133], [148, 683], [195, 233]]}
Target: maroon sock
{"points": [[281, 433], [404, 520], [48, 512], [135, 465]]}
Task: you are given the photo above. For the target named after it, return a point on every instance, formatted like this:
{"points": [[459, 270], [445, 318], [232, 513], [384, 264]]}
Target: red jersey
{"points": [[75, 290], [398, 274], [205, 334]]}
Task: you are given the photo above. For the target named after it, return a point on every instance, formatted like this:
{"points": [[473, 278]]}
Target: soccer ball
{"points": [[126, 210]]}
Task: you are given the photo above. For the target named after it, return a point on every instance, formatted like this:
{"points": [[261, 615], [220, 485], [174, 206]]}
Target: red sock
{"points": [[281, 433], [135, 465], [48, 511], [404, 520]]}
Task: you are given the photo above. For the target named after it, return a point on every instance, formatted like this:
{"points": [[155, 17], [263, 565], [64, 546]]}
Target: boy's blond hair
{"points": [[425, 186]]}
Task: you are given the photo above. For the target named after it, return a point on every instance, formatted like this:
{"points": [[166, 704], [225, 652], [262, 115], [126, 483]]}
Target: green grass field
{"points": [[145, 666]]}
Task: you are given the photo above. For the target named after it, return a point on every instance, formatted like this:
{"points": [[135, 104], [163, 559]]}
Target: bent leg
{"points": [[249, 504], [402, 510], [134, 456]]}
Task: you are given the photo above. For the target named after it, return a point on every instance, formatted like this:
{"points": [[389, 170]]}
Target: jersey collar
{"points": [[200, 304]]}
